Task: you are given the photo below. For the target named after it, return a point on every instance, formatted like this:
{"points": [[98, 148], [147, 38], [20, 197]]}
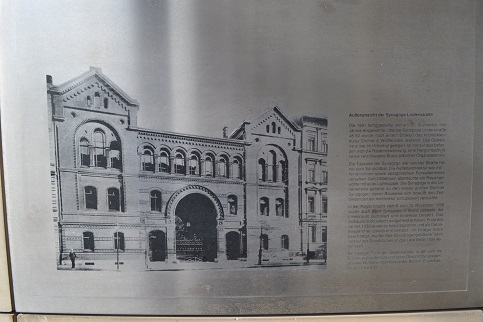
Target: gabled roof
{"points": [[253, 117], [95, 72]]}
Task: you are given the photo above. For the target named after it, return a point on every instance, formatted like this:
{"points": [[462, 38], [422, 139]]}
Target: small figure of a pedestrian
{"points": [[72, 257]]}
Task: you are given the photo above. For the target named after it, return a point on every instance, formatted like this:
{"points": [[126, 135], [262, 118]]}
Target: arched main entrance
{"points": [[232, 245], [157, 246], [196, 233]]}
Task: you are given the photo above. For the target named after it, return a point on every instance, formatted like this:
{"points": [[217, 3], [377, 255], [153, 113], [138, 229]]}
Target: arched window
{"points": [[194, 165], [264, 207], [179, 164], [279, 130], [279, 207], [147, 159], [232, 204], [264, 241], [115, 155], [223, 167], [164, 162], [90, 196], [236, 170], [273, 127], [209, 166], [97, 100], [119, 241], [285, 244], [155, 200], [113, 201], [100, 159], [88, 101], [88, 238], [262, 170], [85, 156], [268, 128], [106, 102], [272, 164]]}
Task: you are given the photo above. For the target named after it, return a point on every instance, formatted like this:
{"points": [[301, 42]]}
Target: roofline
{"points": [[92, 72], [193, 136]]}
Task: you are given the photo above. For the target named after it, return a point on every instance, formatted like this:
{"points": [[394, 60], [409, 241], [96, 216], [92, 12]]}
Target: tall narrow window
{"points": [[106, 102], [262, 170], [115, 155], [264, 208], [85, 156], [313, 233], [223, 167], [119, 241], [164, 162], [88, 101], [236, 169], [90, 195], [100, 159], [179, 164], [311, 143], [147, 159], [156, 200], [97, 100], [113, 199], [264, 241], [324, 234], [283, 171], [232, 204], [279, 130], [88, 239], [194, 168], [279, 207], [285, 244], [272, 164], [324, 205], [325, 177], [311, 204], [209, 166], [325, 146], [311, 172], [268, 128], [274, 127]]}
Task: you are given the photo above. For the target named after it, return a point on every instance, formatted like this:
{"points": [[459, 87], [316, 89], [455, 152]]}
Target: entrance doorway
{"points": [[232, 245], [196, 234], [157, 246]]}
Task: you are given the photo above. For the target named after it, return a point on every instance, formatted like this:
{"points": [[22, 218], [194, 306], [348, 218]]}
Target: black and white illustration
{"points": [[130, 198]]}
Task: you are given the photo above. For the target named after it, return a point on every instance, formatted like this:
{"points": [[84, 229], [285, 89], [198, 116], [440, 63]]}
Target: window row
{"points": [[194, 164], [97, 101], [311, 204], [89, 245], [113, 198], [284, 241], [273, 128], [280, 207], [97, 153], [313, 234], [272, 171], [315, 176], [311, 144]]}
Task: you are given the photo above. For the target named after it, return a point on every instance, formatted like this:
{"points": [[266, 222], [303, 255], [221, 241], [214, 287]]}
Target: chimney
{"points": [[225, 135], [49, 81]]}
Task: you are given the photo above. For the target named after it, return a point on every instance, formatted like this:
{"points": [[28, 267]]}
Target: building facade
{"points": [[124, 195]]}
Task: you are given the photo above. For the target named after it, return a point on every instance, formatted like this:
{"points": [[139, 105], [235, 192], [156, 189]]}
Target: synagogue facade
{"points": [[141, 198]]}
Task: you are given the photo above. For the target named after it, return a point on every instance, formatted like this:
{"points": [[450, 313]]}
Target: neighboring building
{"points": [[313, 183], [141, 198]]}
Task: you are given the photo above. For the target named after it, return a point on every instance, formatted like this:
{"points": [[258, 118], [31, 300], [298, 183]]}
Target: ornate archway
{"points": [[183, 192], [196, 211]]}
